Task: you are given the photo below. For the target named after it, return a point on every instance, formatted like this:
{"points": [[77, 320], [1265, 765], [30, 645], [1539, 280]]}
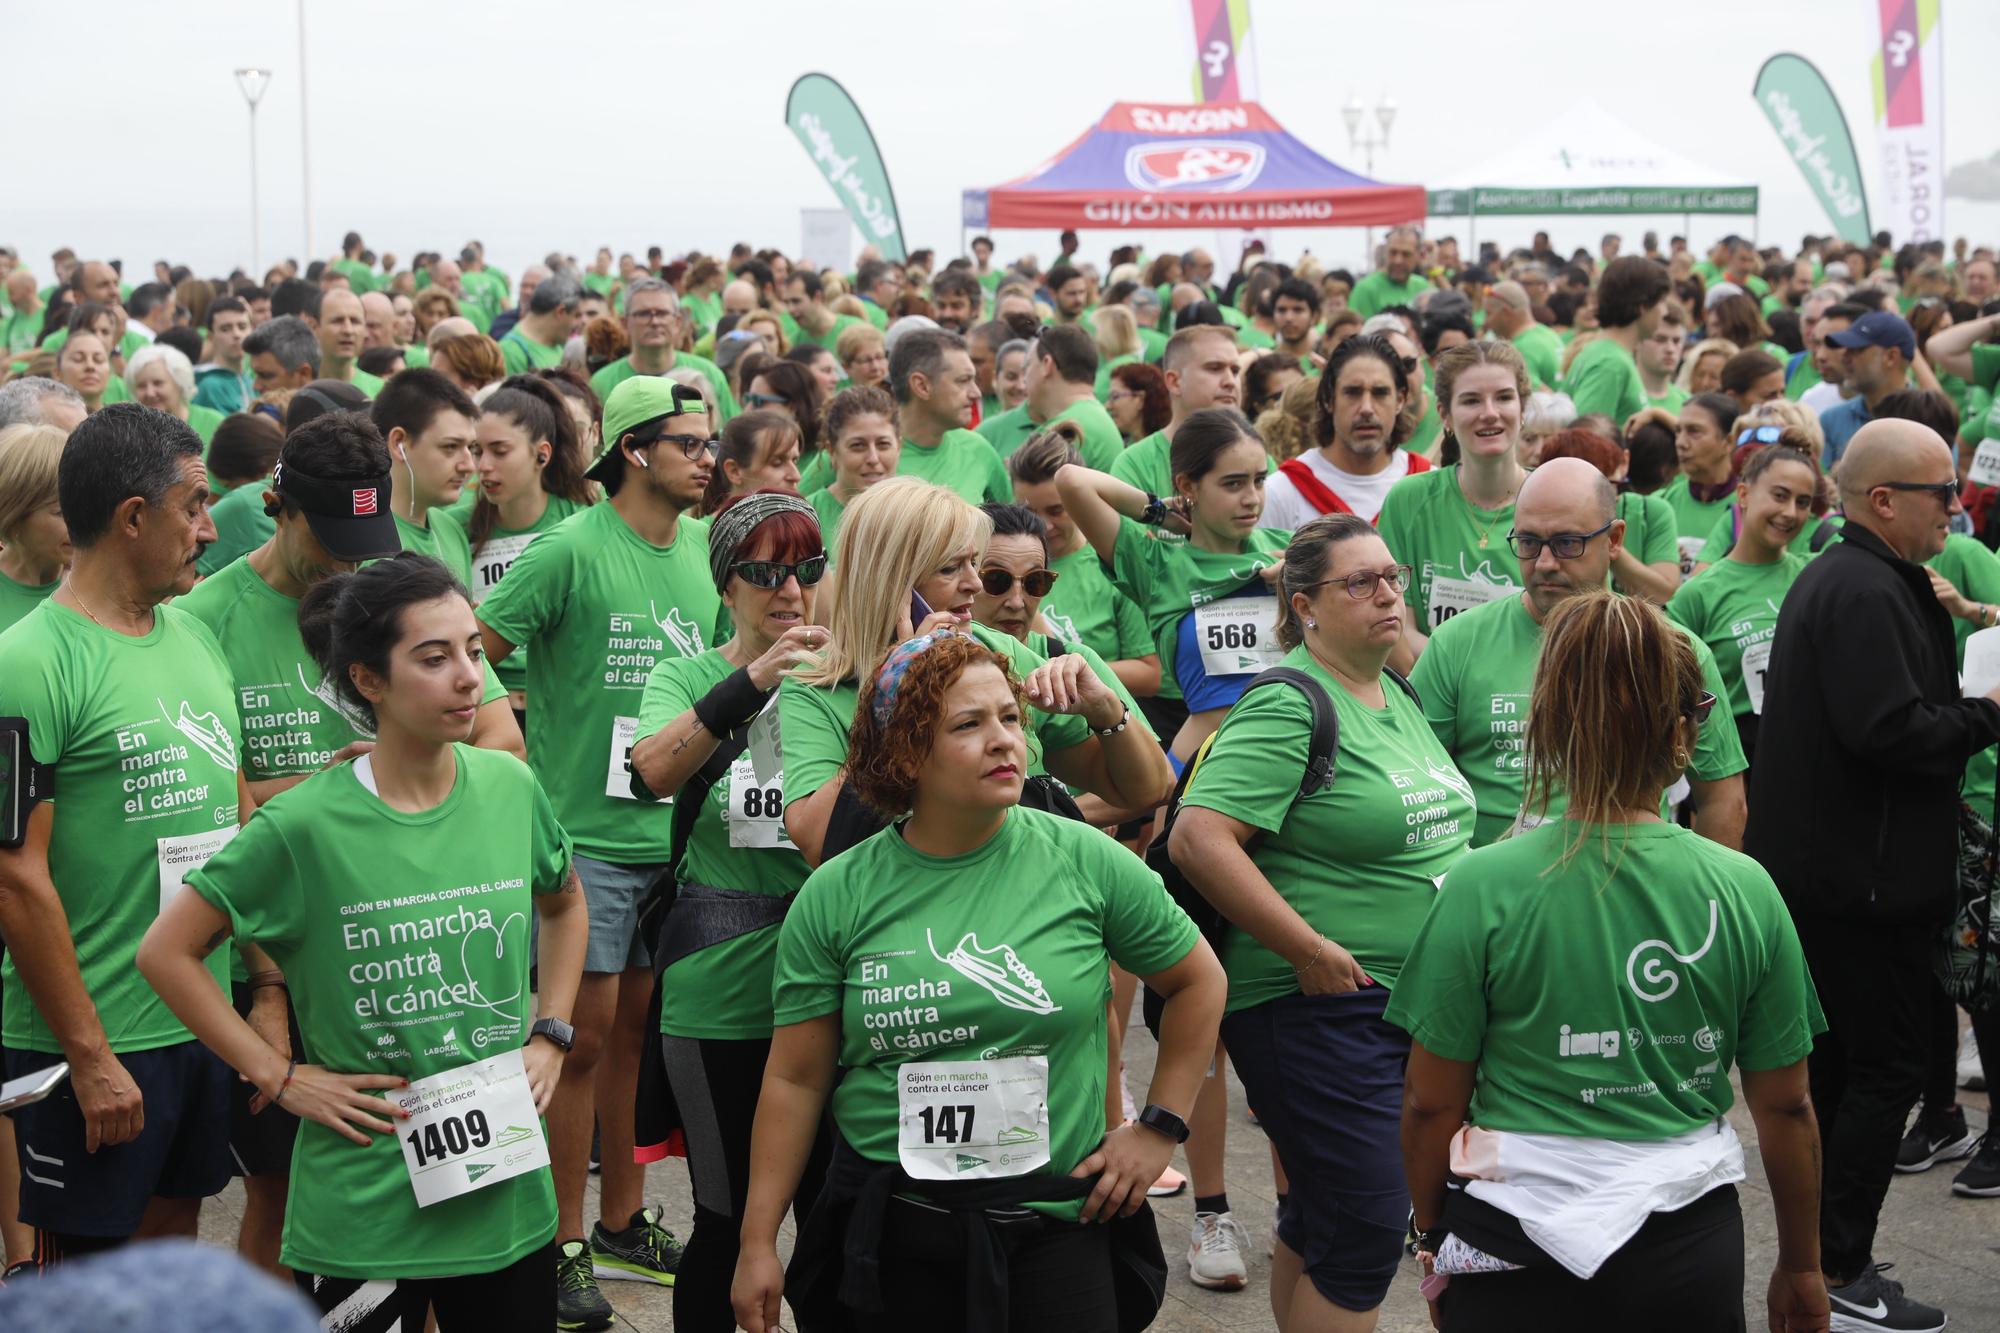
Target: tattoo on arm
{"points": [[209, 946], [574, 885]]}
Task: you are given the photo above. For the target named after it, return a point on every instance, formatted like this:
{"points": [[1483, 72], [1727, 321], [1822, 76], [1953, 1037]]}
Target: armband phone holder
{"points": [[23, 782]]}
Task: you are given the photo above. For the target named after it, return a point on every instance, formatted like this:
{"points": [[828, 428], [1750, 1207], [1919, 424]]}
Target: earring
{"points": [[542, 458], [1680, 758], [1312, 624]]}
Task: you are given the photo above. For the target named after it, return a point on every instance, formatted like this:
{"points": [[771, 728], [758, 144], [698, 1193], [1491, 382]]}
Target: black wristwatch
{"points": [[1160, 1119], [557, 1031]]}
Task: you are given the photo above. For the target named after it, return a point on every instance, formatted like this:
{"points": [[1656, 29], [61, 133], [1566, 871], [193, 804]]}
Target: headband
{"points": [[890, 678], [729, 530]]}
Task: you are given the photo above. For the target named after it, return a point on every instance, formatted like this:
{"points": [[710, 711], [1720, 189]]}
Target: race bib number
{"points": [[470, 1127], [494, 559], [756, 808], [1237, 635], [182, 856], [1756, 661], [624, 735], [1451, 596], [973, 1119], [1690, 552], [1985, 467]]}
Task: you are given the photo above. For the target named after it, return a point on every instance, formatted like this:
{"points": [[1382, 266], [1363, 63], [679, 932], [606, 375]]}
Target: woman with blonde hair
{"points": [[34, 540], [162, 378], [1701, 368], [907, 562], [1567, 1146], [863, 354], [1116, 334], [431, 306], [766, 325], [1287, 424]]}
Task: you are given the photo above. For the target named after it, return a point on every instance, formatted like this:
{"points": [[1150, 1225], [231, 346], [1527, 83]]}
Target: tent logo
{"points": [[1216, 165]]}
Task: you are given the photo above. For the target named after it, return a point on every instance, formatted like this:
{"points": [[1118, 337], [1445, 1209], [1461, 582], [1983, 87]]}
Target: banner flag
{"points": [[1907, 73], [837, 138], [1795, 98], [1225, 63]]}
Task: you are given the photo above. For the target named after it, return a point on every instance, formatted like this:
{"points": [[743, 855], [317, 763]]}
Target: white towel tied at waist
{"points": [[1581, 1199]]}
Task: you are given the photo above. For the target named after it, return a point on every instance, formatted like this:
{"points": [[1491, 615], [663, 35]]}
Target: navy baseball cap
{"points": [[1878, 328]]}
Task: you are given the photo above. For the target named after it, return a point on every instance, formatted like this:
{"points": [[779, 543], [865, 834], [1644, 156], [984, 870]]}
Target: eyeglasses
{"points": [[999, 582], [692, 446], [652, 314], [1704, 704], [1566, 545], [1944, 491], [1760, 434], [1362, 583], [765, 400], [772, 574]]}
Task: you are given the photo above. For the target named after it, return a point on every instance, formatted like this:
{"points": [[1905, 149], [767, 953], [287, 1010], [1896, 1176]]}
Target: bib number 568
{"points": [[450, 1137], [1232, 635]]}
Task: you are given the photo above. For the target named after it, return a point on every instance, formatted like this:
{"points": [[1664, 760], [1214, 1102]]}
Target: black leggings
{"points": [[520, 1298], [716, 1084], [1941, 1053]]}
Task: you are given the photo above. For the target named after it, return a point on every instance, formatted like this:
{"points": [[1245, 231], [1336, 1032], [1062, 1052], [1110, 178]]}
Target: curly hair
{"points": [[1156, 409], [884, 758], [1287, 425]]}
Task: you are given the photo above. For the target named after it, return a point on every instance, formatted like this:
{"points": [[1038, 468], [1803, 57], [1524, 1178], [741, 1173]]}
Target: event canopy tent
{"points": [[1586, 161], [1218, 164]]}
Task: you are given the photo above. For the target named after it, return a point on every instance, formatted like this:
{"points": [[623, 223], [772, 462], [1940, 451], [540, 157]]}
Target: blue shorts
{"points": [[1325, 1073], [613, 894], [181, 1153]]}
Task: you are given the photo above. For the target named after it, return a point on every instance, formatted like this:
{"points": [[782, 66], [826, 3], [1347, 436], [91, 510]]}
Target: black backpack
{"points": [[1322, 759]]}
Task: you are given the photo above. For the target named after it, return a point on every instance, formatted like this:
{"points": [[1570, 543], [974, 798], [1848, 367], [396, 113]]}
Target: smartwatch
{"points": [[1160, 1119], [557, 1031]]}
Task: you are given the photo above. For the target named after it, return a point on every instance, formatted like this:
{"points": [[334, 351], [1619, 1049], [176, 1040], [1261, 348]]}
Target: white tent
{"points": [[1587, 161]]}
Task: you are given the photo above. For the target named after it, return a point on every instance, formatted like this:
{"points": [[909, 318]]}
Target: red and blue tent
{"points": [[1217, 164]]}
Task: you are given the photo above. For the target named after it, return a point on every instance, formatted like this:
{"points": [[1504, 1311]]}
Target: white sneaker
{"points": [[1215, 1253], [1970, 1073]]}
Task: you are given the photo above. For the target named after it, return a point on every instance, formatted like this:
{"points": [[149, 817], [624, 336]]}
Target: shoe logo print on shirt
{"points": [[683, 633], [1484, 574], [1449, 776], [1000, 970], [323, 690], [204, 731], [1656, 973]]}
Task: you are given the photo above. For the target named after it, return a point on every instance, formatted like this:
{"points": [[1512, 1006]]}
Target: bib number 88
{"points": [[763, 802], [947, 1124], [1232, 635], [450, 1137]]}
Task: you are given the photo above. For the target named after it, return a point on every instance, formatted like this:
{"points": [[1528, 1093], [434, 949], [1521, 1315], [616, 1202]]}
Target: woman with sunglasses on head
{"points": [[738, 872], [787, 386], [1575, 1000], [759, 450], [949, 974], [1323, 889]]}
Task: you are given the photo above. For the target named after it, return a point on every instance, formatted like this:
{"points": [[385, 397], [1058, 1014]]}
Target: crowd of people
{"points": [[472, 733]]}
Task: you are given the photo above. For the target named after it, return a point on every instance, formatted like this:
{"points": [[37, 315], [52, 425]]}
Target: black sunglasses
{"points": [[1036, 582], [1566, 545], [1944, 491], [1704, 704], [769, 574]]}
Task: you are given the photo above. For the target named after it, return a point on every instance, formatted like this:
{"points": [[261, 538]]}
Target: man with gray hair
{"points": [[284, 354], [1509, 315], [1397, 282], [34, 400], [536, 342], [653, 324], [935, 386]]}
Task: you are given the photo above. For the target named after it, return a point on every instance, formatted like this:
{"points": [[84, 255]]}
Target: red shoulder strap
{"points": [[1322, 499]]}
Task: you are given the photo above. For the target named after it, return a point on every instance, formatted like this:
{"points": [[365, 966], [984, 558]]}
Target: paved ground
{"points": [[1946, 1249]]}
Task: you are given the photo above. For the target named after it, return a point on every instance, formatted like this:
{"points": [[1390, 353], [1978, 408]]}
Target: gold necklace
{"points": [[80, 605], [1485, 533]]}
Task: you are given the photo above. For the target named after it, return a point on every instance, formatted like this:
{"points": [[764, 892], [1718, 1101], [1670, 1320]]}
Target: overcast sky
{"points": [[537, 126]]}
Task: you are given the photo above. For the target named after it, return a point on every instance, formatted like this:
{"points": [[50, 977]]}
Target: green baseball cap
{"points": [[637, 403]]}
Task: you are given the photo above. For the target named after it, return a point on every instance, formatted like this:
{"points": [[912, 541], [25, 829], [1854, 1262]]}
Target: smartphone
{"points": [[10, 799], [920, 611], [31, 1088]]}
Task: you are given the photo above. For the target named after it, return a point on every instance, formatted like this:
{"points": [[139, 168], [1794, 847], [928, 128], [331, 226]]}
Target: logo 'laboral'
{"points": [[1213, 165]]}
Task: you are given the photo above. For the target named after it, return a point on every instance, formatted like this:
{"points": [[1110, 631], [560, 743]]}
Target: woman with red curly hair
{"points": [[955, 967]]}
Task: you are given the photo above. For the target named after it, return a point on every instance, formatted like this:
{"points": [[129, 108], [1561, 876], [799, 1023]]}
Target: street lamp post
{"points": [[1367, 141], [253, 82]]}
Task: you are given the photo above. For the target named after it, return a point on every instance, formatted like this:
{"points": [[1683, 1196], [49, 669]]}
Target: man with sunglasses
{"points": [[1476, 676], [599, 601], [1862, 750]]}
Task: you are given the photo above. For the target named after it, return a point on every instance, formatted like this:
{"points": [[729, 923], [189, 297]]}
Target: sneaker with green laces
{"points": [[579, 1304], [644, 1251]]}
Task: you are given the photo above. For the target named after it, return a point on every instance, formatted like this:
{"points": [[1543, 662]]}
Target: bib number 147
{"points": [[947, 1123]]}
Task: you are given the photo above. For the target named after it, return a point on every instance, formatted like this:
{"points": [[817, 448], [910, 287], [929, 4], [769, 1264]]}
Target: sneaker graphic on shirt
{"points": [[1000, 970], [683, 633], [204, 731], [1017, 1134]]}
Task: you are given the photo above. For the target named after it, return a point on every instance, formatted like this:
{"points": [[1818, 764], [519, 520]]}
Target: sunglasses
{"points": [[1944, 491], [999, 582], [764, 400], [1362, 583], [1566, 545], [1760, 434], [1704, 704], [768, 574]]}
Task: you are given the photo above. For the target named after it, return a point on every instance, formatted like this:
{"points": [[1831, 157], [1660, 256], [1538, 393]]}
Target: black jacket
{"points": [[1863, 742]]}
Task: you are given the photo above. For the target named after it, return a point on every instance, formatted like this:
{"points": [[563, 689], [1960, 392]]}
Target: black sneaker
{"points": [[579, 1304], [1934, 1139], [1872, 1302], [1981, 1177], [644, 1251]]}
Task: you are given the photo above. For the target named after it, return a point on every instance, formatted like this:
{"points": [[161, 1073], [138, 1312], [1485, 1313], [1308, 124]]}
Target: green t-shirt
{"points": [[1733, 608], [830, 337], [598, 607], [1672, 400], [241, 526], [615, 374], [1604, 378], [829, 507], [876, 314], [1375, 293], [1649, 530], [1694, 520], [405, 944], [1102, 385], [1458, 554], [143, 736], [1148, 464], [371, 385], [18, 330], [1086, 607], [1102, 440], [1001, 953], [495, 556], [18, 599], [1009, 430], [1608, 996], [1804, 377], [203, 421], [1476, 679], [519, 353], [222, 389], [723, 993], [440, 539], [961, 462], [360, 277], [1975, 571], [1169, 580], [1542, 350], [1358, 860]]}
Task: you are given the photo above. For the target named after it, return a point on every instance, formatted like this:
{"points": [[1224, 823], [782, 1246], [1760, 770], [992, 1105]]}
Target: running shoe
{"points": [[579, 1304], [1934, 1139], [1000, 970], [1971, 1074], [644, 1251], [1873, 1304], [1981, 1177], [1215, 1253], [1168, 1186]]}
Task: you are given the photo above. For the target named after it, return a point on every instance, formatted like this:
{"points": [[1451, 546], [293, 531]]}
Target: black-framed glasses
{"points": [[999, 582], [1361, 584], [773, 573], [1944, 491], [1565, 545], [1760, 434], [691, 446], [1704, 704]]}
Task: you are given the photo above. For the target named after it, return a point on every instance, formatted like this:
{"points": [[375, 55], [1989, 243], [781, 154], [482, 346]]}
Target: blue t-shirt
{"points": [[1838, 423]]}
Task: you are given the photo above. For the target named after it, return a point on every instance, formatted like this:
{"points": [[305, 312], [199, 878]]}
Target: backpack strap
{"points": [[1323, 750]]}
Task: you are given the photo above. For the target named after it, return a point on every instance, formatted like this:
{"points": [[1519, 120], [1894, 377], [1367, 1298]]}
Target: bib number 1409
{"points": [[450, 1137], [470, 1127]]}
